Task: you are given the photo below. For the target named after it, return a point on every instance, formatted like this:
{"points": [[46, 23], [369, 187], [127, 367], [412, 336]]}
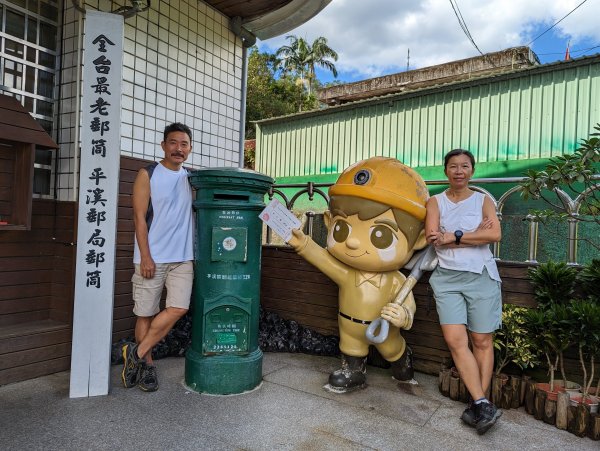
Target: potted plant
{"points": [[512, 344], [553, 282], [543, 331], [589, 278], [554, 285], [586, 334]]}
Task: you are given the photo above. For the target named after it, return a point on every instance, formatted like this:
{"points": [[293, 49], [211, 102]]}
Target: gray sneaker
{"points": [[486, 416], [148, 377], [469, 416], [131, 365]]}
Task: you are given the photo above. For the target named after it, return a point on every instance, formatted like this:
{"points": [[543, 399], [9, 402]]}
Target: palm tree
{"points": [[300, 58]]}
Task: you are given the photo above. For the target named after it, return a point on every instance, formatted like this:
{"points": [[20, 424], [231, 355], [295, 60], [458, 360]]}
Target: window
{"points": [[28, 70]]}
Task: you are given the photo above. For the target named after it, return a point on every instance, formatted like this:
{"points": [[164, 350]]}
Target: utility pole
{"points": [[407, 60]]}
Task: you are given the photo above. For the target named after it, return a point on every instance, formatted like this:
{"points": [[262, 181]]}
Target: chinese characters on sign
{"points": [[231, 214], [228, 276], [100, 123]]}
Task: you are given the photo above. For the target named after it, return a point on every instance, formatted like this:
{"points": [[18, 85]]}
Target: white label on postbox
{"points": [[229, 243]]}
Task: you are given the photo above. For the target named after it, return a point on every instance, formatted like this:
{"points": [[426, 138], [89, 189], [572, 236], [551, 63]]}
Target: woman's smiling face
{"points": [[373, 245], [459, 170]]}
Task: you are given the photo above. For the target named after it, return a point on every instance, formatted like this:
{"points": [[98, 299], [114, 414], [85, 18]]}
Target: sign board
{"points": [[98, 198]]}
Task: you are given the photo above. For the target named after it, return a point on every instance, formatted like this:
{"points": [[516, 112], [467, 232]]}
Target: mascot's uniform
{"points": [[362, 295]]}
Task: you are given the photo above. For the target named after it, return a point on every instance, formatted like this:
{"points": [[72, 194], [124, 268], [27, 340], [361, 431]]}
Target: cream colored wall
{"points": [[181, 64]]}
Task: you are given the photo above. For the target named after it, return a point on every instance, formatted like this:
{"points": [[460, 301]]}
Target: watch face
{"points": [[458, 235]]}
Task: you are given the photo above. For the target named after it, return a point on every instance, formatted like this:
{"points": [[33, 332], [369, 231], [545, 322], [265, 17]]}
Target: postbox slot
{"points": [[230, 196]]}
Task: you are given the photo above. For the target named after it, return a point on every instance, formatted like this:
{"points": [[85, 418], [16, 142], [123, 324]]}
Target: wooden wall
{"points": [[37, 276], [123, 317], [297, 290], [36, 293], [37, 271]]}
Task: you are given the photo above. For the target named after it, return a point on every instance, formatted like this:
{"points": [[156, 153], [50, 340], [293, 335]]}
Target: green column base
{"points": [[223, 374]]}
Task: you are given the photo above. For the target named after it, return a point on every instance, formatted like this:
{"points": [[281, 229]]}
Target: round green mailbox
{"points": [[224, 357]]}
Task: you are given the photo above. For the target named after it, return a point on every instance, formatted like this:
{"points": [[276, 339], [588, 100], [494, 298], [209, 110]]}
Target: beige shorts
{"points": [[177, 277]]}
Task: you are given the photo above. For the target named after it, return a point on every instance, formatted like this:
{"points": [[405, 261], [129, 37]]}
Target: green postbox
{"points": [[224, 357]]}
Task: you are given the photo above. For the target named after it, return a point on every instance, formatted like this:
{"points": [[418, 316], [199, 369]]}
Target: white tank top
{"points": [[465, 215], [171, 229]]}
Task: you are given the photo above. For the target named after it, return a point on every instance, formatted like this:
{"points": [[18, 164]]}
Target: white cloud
{"points": [[372, 37]]}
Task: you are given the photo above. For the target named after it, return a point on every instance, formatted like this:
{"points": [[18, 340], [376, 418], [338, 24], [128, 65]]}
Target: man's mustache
{"points": [[177, 154]]}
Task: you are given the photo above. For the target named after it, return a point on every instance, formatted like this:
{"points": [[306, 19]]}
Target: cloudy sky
{"points": [[373, 37]]}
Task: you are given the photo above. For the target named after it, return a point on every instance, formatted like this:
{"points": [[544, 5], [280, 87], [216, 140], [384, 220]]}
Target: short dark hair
{"points": [[456, 152], [177, 127]]}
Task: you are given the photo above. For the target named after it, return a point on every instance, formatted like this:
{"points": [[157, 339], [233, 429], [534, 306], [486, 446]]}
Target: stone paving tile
{"points": [[289, 411]]}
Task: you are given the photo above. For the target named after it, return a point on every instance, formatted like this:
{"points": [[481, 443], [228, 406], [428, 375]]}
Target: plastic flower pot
{"points": [[591, 401], [572, 388], [551, 395]]}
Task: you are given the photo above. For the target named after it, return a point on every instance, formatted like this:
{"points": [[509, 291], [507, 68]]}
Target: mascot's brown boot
{"points": [[350, 376], [402, 369]]}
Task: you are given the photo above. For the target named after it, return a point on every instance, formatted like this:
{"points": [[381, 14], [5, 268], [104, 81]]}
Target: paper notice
{"points": [[279, 219]]}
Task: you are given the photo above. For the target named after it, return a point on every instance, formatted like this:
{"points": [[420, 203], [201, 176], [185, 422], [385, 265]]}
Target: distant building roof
{"points": [[488, 64], [447, 85]]}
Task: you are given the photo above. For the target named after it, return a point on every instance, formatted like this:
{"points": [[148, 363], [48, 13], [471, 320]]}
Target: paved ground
{"points": [[289, 411]]}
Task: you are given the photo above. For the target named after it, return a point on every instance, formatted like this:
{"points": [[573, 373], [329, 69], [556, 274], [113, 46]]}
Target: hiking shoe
{"points": [[469, 416], [486, 416], [131, 365], [148, 378]]}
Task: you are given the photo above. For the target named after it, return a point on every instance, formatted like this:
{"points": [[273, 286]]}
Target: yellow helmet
{"points": [[387, 181]]}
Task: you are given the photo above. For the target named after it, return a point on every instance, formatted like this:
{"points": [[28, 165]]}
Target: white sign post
{"points": [[98, 197]]}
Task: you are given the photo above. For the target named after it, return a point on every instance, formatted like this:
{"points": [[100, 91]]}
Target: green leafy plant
{"points": [[553, 282], [554, 285], [270, 94], [512, 343], [574, 174], [300, 59], [549, 331], [586, 333], [589, 278]]}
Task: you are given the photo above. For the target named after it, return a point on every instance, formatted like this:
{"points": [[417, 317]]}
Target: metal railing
{"points": [[570, 206]]}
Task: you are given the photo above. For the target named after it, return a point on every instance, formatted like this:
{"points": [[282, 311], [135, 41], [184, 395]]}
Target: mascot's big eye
{"points": [[341, 230], [382, 237]]}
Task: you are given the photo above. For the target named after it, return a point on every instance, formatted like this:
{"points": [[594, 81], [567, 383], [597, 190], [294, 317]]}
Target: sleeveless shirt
{"points": [[465, 215], [171, 230]]}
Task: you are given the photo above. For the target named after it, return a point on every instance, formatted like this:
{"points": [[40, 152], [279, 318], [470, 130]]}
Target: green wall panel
{"points": [[527, 115]]}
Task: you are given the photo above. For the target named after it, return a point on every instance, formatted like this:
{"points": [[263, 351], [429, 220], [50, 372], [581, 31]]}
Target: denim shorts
{"points": [[177, 277], [463, 297]]}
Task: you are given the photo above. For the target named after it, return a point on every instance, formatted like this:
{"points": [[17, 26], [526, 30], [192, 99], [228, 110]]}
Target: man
{"points": [[163, 254], [375, 223]]}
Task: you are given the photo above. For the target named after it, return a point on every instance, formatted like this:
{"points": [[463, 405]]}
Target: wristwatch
{"points": [[458, 235]]}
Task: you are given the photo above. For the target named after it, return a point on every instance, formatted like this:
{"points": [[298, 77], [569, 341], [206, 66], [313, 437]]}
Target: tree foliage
{"points": [[577, 176], [268, 95], [299, 59]]}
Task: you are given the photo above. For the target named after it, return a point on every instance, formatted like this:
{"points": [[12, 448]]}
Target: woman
{"points": [[461, 223]]}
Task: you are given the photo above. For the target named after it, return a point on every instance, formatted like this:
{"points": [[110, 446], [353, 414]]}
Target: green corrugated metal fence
{"points": [[529, 114]]}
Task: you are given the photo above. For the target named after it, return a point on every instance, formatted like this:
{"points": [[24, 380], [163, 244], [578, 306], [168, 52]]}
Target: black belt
{"points": [[359, 321]]}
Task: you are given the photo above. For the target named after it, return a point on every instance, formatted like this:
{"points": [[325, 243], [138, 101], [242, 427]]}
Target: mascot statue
{"points": [[375, 222]]}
